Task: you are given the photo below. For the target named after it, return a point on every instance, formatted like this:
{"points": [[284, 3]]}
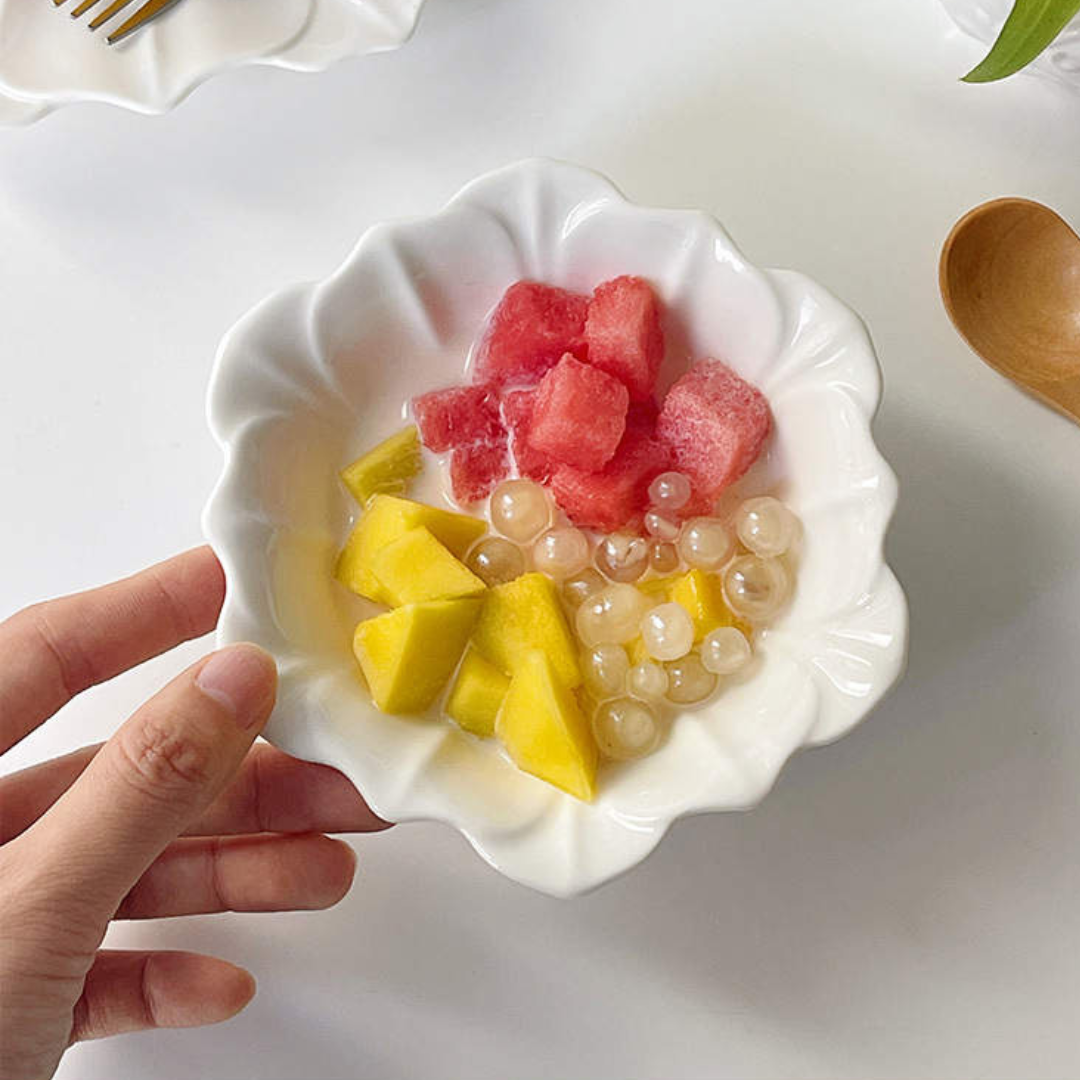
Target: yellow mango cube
{"points": [[702, 595], [658, 589], [544, 729], [637, 652], [408, 654], [386, 468], [416, 567], [477, 694], [386, 518], [522, 615]]}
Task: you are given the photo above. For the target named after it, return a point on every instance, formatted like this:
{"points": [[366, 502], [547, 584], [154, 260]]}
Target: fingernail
{"points": [[241, 678]]}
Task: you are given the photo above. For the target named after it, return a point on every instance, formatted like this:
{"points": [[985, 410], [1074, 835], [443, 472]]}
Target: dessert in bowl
{"points": [[320, 375]]}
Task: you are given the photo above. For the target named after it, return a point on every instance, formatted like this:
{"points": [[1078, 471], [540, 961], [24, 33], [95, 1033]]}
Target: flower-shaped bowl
{"points": [[48, 59], [318, 373]]}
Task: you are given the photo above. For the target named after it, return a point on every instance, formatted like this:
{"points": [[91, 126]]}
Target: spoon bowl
{"points": [[1010, 281]]}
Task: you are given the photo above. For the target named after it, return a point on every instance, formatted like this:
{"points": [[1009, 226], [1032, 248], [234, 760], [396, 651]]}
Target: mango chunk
{"points": [[703, 596], [637, 652], [386, 518], [408, 654], [545, 731], [658, 589], [523, 615], [416, 567], [477, 694], [387, 467]]}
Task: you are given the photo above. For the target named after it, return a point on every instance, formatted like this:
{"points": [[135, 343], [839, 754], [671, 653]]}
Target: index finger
{"points": [[55, 650]]}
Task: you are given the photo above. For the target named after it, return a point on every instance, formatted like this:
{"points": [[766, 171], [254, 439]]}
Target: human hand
{"points": [[177, 814]]}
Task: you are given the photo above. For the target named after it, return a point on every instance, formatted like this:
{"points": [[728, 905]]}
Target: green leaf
{"points": [[1031, 26]]}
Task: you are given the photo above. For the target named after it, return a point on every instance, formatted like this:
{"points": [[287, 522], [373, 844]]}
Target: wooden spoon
{"points": [[1010, 279]]}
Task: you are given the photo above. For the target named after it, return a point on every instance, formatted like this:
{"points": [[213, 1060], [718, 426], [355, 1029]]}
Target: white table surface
{"points": [[905, 902]]}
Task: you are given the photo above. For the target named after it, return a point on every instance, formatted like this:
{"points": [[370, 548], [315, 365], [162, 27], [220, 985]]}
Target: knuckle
{"points": [[163, 762], [181, 619], [74, 670]]}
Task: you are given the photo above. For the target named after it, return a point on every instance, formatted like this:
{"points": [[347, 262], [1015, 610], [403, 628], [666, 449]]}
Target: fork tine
{"points": [[108, 13], [84, 7], [148, 11]]}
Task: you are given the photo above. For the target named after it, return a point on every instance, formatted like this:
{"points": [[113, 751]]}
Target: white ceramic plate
{"points": [[983, 19], [48, 59], [319, 372]]}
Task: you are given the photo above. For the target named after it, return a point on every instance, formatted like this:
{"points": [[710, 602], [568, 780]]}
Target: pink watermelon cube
{"points": [[476, 469], [529, 331], [641, 416], [458, 416], [579, 415], [716, 424], [618, 495], [623, 334], [517, 415]]}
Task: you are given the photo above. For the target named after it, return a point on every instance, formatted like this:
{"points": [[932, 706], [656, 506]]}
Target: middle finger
{"points": [[272, 792]]}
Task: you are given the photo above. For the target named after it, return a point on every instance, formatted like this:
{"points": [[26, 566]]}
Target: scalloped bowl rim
{"points": [[220, 526], [38, 107]]}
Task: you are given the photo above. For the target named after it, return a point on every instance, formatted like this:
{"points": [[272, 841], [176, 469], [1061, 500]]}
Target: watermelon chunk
{"points": [[476, 469], [617, 495], [716, 424], [579, 415], [623, 333], [529, 331], [458, 416], [641, 416], [517, 415]]}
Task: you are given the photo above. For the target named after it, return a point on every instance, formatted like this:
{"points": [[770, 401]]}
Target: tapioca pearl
{"points": [[725, 651], [623, 557], [689, 682], [561, 552], [625, 729], [579, 587], [611, 615], [647, 681], [668, 632], [766, 526], [704, 543], [663, 528], [670, 491], [663, 558], [605, 668], [519, 509], [756, 588], [496, 561]]}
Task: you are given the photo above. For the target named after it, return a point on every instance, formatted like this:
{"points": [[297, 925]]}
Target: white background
{"points": [[905, 902]]}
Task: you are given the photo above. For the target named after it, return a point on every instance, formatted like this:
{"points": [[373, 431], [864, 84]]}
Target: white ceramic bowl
{"points": [[48, 59], [983, 20], [319, 372]]}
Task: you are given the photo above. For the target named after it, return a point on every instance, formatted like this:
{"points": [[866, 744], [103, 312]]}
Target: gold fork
{"points": [[150, 10]]}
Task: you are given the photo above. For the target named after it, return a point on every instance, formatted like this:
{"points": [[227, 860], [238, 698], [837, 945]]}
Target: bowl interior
{"points": [[319, 375]]}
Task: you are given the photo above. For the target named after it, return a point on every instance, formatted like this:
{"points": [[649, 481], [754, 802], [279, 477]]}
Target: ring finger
{"points": [[205, 875]]}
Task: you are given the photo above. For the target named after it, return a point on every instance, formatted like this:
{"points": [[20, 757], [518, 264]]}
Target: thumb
{"points": [[160, 770]]}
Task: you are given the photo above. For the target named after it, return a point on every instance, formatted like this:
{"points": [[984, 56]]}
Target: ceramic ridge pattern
{"points": [[48, 60], [299, 389]]}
